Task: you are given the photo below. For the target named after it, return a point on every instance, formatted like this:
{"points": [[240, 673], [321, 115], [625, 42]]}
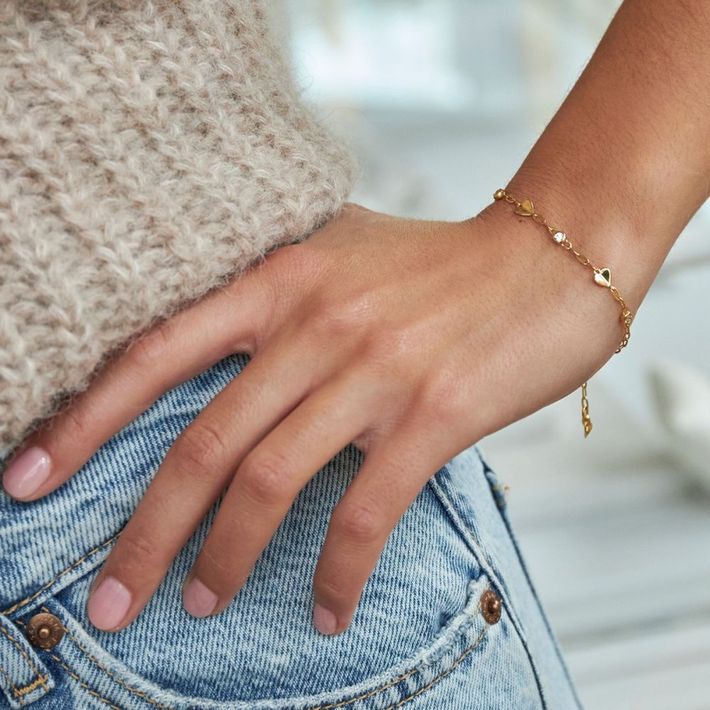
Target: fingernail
{"points": [[198, 599], [109, 604], [324, 620], [27, 472]]}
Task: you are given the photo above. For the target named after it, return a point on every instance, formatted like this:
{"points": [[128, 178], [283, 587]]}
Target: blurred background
{"points": [[442, 100]]}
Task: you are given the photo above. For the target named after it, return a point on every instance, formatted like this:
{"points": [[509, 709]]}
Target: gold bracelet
{"points": [[602, 277]]}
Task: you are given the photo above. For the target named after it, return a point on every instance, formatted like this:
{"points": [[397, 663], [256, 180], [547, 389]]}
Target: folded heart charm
{"points": [[525, 208], [603, 277]]}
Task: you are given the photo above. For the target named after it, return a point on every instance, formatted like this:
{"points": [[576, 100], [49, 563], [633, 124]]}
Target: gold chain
{"points": [[602, 277]]}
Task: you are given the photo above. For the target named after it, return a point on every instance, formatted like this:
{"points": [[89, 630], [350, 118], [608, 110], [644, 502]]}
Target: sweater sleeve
{"points": [[149, 152]]}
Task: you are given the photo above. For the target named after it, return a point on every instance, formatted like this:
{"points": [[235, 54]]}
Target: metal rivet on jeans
{"points": [[491, 606], [44, 630]]}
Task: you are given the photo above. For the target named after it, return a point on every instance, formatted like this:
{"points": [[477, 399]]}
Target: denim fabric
{"points": [[418, 637]]}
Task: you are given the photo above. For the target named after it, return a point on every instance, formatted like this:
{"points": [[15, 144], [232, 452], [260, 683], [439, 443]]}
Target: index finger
{"points": [[165, 356]]}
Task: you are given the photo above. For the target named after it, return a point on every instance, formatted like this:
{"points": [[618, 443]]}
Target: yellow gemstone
{"points": [[525, 208]]}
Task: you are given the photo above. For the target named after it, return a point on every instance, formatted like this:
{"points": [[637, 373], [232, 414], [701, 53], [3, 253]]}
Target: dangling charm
{"points": [[586, 420], [602, 277]]}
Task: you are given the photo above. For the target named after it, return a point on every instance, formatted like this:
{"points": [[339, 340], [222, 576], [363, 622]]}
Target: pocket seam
{"points": [[472, 615], [110, 673], [18, 605], [84, 685], [40, 678], [443, 674], [404, 676]]}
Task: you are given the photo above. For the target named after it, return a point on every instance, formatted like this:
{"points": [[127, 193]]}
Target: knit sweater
{"points": [[150, 151]]}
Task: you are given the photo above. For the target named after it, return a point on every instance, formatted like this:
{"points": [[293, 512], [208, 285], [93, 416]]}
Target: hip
{"points": [[448, 619]]}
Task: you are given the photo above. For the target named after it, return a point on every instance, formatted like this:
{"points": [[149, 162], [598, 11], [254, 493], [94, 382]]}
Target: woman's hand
{"points": [[411, 339]]}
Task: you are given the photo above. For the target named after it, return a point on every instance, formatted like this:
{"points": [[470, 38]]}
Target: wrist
{"points": [[598, 224], [552, 267]]}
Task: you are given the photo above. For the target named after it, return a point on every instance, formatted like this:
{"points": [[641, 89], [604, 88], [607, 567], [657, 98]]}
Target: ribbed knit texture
{"points": [[149, 151]]}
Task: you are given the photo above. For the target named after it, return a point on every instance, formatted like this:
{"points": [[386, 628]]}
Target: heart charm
{"points": [[603, 277], [525, 208]]}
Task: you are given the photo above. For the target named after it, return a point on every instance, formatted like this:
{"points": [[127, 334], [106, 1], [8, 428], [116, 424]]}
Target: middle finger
{"points": [[192, 476], [266, 484]]}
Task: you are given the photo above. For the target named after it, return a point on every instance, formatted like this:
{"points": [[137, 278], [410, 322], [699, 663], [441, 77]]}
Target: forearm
{"points": [[625, 162]]}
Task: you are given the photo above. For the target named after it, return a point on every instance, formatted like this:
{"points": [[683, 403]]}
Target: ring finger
{"points": [[268, 481]]}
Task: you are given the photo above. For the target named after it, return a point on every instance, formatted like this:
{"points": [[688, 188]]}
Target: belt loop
{"points": [[23, 676]]}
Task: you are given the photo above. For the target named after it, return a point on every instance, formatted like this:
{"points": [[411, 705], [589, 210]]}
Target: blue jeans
{"points": [[449, 618]]}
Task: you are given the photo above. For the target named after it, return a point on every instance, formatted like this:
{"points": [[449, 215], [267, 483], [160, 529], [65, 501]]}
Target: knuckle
{"points": [[391, 348], [336, 589], [337, 319], [439, 396], [200, 446], [75, 424], [357, 522], [135, 546], [294, 261], [265, 479], [219, 568], [151, 348], [396, 343], [281, 280]]}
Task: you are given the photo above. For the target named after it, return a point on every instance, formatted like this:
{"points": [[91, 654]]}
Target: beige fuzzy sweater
{"points": [[150, 150]]}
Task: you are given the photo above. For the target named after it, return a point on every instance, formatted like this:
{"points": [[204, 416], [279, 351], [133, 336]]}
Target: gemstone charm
{"points": [[525, 208], [603, 277], [559, 237]]}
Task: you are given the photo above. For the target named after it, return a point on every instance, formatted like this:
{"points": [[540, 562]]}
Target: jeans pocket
{"points": [[87, 673], [418, 631]]}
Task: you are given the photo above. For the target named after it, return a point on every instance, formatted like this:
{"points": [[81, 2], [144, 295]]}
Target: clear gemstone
{"points": [[559, 237]]}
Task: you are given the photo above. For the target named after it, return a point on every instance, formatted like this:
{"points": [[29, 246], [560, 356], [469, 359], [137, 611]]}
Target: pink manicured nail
{"points": [[27, 472], [198, 599], [109, 604], [324, 620]]}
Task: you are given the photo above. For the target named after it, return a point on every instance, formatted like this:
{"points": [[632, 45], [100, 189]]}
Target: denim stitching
{"points": [[15, 690], [39, 676], [25, 689], [332, 706], [402, 677], [472, 541], [141, 694], [406, 675], [369, 694], [88, 689], [46, 586], [42, 679], [443, 674], [75, 677]]}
